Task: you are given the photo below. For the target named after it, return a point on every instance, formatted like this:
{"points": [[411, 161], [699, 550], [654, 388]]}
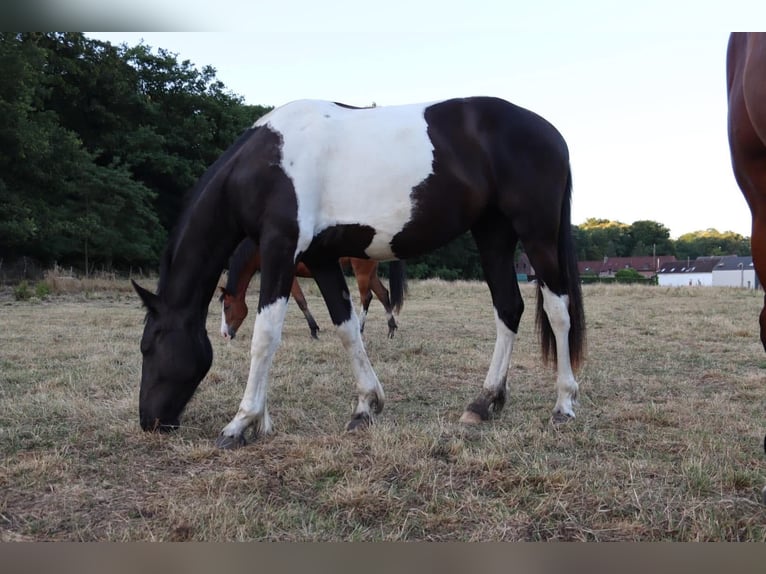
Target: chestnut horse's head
{"points": [[233, 312]]}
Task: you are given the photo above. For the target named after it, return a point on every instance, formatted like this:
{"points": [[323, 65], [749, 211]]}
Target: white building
{"points": [[733, 271], [728, 271], [697, 273]]}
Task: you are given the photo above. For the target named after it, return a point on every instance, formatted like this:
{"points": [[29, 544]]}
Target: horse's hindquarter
{"points": [[746, 63], [354, 167]]}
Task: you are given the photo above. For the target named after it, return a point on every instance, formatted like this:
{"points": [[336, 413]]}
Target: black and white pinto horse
{"points": [[313, 181]]}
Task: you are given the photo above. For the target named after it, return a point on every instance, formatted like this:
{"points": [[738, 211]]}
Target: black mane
{"points": [[191, 197]]}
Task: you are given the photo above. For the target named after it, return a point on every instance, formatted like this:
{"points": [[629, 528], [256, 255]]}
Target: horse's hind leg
{"points": [[543, 256], [332, 284], [377, 287], [300, 299], [496, 243]]}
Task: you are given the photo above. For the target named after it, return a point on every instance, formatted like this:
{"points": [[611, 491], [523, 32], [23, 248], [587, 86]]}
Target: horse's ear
{"points": [[149, 299]]}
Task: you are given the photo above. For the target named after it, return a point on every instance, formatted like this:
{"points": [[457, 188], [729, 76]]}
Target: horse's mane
{"points": [[190, 198]]}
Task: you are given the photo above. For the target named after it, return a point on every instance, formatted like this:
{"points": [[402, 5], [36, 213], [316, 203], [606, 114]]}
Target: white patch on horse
{"points": [[267, 334], [224, 325], [557, 309], [501, 357], [353, 166]]}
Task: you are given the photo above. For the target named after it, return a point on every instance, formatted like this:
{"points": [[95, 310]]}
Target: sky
{"points": [[637, 89]]}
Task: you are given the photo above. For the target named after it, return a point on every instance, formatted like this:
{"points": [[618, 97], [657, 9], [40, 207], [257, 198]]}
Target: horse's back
{"points": [[414, 175]]}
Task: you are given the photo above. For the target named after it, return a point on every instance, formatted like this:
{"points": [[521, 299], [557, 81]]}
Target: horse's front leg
{"points": [[332, 284], [276, 279]]}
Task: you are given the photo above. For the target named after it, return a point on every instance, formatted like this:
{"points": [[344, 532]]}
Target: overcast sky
{"points": [[638, 91]]}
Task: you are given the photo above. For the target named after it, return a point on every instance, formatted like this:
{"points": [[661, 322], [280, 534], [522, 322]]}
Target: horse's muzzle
{"points": [[149, 424]]}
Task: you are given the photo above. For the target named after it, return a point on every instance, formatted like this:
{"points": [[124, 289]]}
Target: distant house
{"points": [[607, 267], [734, 271], [726, 271], [695, 273]]}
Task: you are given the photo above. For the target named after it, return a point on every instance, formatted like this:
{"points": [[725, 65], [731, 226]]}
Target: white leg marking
{"points": [[367, 383], [267, 334], [224, 326], [557, 309], [501, 357]]}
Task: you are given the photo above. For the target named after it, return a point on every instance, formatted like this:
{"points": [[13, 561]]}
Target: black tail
{"points": [[570, 281], [397, 283]]}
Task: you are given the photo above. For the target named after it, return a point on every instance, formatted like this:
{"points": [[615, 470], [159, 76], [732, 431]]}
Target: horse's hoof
{"points": [[763, 495], [470, 418], [360, 422], [230, 442], [561, 418]]}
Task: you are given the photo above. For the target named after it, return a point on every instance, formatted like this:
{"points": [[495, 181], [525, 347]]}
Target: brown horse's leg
{"points": [[366, 272], [382, 294], [360, 269], [300, 299]]}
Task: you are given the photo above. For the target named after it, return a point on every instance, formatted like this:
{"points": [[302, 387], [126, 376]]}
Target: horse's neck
{"points": [[198, 259]]}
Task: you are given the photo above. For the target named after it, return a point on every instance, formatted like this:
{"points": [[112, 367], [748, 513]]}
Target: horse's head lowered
{"points": [[177, 355], [233, 312]]}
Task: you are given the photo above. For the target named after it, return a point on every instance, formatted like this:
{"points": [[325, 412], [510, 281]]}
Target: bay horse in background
{"points": [[746, 86], [314, 181], [246, 260]]}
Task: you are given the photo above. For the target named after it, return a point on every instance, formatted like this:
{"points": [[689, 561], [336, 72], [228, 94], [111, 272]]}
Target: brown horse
{"points": [[246, 260], [746, 81]]}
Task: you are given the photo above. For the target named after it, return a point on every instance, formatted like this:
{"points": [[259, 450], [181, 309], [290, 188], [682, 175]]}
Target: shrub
{"points": [[629, 275], [42, 290], [22, 292]]}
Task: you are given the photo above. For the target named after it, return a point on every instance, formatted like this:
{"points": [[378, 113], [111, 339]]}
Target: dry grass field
{"points": [[667, 444]]}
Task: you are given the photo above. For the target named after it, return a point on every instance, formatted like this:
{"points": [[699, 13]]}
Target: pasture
{"points": [[667, 443]]}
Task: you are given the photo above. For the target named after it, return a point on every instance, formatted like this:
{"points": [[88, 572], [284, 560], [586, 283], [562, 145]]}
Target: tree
{"points": [[711, 242], [99, 144], [604, 238], [650, 238]]}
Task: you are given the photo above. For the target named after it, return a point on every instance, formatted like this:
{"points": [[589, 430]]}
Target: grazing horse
{"points": [[314, 181], [246, 260], [746, 83]]}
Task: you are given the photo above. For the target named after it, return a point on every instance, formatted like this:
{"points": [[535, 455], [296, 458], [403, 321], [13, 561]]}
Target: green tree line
{"points": [[100, 143]]}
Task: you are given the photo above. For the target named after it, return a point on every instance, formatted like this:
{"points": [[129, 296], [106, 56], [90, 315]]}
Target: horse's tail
{"points": [[397, 283], [570, 282]]}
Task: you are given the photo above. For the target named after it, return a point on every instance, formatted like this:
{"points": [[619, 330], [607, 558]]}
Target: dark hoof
{"points": [[314, 335], [764, 443], [392, 327], [471, 418], [376, 405], [484, 406], [360, 422], [561, 418], [230, 442]]}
